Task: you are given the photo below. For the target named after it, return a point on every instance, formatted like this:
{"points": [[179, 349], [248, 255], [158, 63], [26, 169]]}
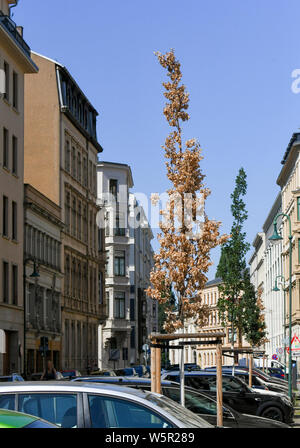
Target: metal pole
{"points": [[182, 401], [219, 386], [284, 333], [250, 370], [290, 320]]}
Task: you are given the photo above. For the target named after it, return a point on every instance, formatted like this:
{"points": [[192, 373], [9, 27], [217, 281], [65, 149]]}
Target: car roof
{"points": [[120, 379], [72, 386]]}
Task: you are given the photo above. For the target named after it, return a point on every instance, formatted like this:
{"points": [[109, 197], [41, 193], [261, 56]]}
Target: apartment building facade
{"points": [[42, 280], [129, 261], [15, 62], [204, 355], [289, 182], [61, 154], [266, 271]]}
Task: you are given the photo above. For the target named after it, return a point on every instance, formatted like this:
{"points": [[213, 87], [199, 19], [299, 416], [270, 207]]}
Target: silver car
{"points": [[86, 405]]}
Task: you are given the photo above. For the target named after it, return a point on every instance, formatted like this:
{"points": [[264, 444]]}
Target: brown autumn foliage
{"points": [[187, 235]]}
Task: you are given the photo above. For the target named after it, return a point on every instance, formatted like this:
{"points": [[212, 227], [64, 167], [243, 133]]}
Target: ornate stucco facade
{"points": [[15, 62]]}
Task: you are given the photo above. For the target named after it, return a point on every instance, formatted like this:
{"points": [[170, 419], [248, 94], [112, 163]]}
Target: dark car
{"points": [[259, 380], [127, 371], [198, 402], [238, 395], [264, 376]]}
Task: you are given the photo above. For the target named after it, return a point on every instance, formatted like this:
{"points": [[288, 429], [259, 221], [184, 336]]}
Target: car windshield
{"points": [[177, 411]]}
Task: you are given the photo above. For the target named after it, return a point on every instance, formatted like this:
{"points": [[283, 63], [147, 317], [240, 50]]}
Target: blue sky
{"points": [[237, 61]]}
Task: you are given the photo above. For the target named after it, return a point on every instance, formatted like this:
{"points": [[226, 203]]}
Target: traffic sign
{"points": [[275, 357]]}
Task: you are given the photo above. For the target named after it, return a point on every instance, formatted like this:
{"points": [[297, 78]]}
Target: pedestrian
{"points": [[49, 373]]}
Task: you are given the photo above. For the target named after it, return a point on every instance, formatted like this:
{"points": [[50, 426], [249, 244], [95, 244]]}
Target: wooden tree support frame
{"points": [[249, 351], [159, 341]]}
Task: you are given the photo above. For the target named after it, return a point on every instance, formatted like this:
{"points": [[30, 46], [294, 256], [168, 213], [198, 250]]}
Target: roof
{"points": [[214, 282]]}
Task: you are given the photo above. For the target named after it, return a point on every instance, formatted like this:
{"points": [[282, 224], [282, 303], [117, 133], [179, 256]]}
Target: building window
{"points": [[67, 156], [132, 309], [84, 172], [5, 216], [15, 285], [67, 212], [119, 230], [74, 217], [79, 167], [79, 221], [84, 217], [125, 353], [299, 251], [6, 74], [101, 288], [298, 209], [5, 148], [73, 162], [14, 221], [120, 263], [120, 305], [15, 90], [5, 282], [14, 155], [132, 337], [113, 188]]}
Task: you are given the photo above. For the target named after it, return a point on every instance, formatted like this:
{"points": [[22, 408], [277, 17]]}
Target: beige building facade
{"points": [[289, 182], [61, 153], [15, 62], [42, 281], [204, 355]]}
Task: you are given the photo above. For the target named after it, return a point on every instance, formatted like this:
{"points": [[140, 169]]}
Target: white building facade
{"points": [[129, 261]]}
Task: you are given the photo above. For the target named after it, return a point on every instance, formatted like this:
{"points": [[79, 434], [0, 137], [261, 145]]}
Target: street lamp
{"points": [[274, 238], [276, 289], [34, 274]]}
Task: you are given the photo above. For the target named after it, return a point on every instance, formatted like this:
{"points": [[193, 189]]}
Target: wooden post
{"points": [[158, 370], [219, 386], [153, 367], [250, 370]]}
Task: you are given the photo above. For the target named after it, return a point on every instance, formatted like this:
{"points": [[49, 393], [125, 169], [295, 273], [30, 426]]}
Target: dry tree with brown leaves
{"points": [[187, 235]]}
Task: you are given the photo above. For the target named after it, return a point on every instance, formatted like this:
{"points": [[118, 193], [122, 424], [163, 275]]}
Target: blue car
{"points": [[12, 377]]}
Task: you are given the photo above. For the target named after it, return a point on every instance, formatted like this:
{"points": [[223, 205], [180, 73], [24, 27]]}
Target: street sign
{"points": [[275, 357], [280, 351]]}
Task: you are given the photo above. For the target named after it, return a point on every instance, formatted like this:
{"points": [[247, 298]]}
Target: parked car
{"points": [[187, 366], [259, 381], [238, 395], [71, 404], [71, 373], [276, 372], [127, 371], [103, 372], [198, 402], [141, 370], [12, 377], [264, 376], [37, 376], [13, 419]]}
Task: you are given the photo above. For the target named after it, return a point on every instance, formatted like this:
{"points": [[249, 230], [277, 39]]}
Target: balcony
{"points": [[11, 28]]}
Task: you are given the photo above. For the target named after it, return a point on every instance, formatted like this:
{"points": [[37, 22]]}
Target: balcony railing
{"points": [[11, 27]]}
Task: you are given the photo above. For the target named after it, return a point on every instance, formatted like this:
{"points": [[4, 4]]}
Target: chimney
{"points": [[20, 30]]}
